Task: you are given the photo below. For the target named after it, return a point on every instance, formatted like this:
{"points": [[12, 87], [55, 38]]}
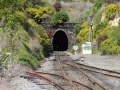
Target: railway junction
{"points": [[65, 71], [71, 72]]}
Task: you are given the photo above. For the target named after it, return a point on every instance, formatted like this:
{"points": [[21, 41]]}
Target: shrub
{"points": [[110, 11], [83, 34], [108, 30], [109, 47], [57, 6], [101, 25], [101, 38], [27, 59], [59, 17], [76, 29], [39, 13], [104, 39], [118, 9], [116, 35], [98, 4], [20, 15], [98, 16]]}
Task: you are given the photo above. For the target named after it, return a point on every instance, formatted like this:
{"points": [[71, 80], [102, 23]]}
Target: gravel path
{"points": [[48, 65], [96, 60]]}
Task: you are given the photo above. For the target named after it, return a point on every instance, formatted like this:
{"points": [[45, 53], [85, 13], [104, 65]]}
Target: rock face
{"points": [[103, 17], [114, 22]]}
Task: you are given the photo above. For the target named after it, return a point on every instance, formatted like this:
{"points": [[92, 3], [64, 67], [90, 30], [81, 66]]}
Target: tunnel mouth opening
{"points": [[60, 41]]}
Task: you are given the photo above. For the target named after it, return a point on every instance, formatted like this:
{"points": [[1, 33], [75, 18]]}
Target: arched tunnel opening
{"points": [[60, 41]]}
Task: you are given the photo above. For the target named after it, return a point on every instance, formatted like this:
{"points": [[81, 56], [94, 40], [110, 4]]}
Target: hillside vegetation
{"points": [[105, 29], [22, 39], [25, 41]]}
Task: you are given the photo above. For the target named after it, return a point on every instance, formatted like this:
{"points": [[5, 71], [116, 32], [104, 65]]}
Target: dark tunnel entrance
{"points": [[60, 41]]}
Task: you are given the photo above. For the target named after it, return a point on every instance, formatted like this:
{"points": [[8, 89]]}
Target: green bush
{"points": [[101, 25], [98, 4], [109, 46], [98, 16], [27, 59], [116, 35], [110, 11], [59, 17], [118, 9], [100, 39], [39, 13], [76, 29], [82, 36], [105, 40]]}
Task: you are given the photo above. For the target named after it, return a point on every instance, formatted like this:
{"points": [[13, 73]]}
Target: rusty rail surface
{"points": [[38, 75], [94, 69], [99, 70], [64, 73], [49, 81], [63, 78], [94, 81], [69, 81]]}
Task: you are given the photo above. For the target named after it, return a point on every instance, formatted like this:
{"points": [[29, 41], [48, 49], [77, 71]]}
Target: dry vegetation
{"points": [[74, 9]]}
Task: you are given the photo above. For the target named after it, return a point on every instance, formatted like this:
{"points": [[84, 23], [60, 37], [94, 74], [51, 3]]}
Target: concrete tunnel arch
{"points": [[60, 40]]}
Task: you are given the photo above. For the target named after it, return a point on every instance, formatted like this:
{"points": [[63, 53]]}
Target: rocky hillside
{"points": [[23, 40]]}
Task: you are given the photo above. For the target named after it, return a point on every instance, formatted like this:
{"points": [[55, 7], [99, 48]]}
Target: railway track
{"points": [[82, 76], [70, 75]]}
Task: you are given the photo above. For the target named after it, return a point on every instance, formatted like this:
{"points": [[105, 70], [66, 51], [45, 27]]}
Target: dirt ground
{"points": [[97, 60]]}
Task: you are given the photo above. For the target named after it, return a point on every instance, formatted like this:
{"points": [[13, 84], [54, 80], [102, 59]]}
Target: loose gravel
{"points": [[105, 62], [97, 60], [23, 83]]}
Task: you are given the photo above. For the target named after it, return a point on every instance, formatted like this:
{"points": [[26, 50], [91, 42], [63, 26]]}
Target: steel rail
{"points": [[99, 70], [96, 71], [49, 81], [65, 75], [88, 76], [55, 75]]}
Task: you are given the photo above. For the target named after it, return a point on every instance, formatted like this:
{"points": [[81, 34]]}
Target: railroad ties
{"points": [[70, 75]]}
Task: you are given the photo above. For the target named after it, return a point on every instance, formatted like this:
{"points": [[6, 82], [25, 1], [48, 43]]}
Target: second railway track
{"points": [[69, 75]]}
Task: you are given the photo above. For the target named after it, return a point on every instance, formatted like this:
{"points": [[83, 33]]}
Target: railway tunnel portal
{"points": [[61, 36], [60, 40]]}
